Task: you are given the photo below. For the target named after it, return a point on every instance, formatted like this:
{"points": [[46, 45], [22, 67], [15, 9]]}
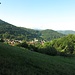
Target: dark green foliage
{"points": [[9, 31], [23, 44], [33, 48], [65, 44], [1, 40], [45, 49], [50, 34], [48, 50], [18, 61], [51, 51], [27, 46], [6, 35], [69, 47]]}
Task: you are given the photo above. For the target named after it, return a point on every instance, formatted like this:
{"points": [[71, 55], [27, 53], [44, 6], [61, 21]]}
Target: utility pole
{"points": [[0, 2]]}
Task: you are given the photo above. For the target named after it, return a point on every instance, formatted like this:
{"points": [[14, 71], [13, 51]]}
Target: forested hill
{"points": [[50, 34], [12, 32]]}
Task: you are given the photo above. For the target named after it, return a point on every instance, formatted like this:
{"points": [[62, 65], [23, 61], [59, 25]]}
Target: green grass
{"points": [[18, 61]]}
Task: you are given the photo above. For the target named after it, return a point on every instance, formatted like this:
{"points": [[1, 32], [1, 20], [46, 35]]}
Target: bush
{"points": [[23, 44], [51, 51], [48, 50]]}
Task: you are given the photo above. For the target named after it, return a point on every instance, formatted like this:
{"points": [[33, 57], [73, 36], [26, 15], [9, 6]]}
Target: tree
{"points": [[69, 48], [47, 49], [65, 44], [23, 44], [51, 50], [6, 35], [1, 40]]}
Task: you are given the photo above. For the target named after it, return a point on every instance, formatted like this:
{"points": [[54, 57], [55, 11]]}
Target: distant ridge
{"points": [[66, 32]]}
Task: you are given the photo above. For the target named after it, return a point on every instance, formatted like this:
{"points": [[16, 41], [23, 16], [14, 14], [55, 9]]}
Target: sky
{"points": [[39, 14]]}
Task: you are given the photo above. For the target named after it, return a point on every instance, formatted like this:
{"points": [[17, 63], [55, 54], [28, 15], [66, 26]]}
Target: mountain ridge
{"points": [[66, 32]]}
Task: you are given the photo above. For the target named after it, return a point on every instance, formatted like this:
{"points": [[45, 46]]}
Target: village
{"points": [[13, 42]]}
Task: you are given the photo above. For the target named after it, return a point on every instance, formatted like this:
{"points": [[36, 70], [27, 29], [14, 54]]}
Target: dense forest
{"points": [[10, 31]]}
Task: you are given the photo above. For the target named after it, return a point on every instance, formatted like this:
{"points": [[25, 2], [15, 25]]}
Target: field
{"points": [[19, 61]]}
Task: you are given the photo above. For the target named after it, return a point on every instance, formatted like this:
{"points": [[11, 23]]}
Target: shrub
{"points": [[51, 51], [23, 44]]}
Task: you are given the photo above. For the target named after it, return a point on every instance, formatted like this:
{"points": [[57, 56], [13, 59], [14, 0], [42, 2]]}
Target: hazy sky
{"points": [[39, 14]]}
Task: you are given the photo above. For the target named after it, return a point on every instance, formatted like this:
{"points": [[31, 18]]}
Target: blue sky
{"points": [[39, 14]]}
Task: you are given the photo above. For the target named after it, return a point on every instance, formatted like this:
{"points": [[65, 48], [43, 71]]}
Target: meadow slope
{"points": [[18, 61]]}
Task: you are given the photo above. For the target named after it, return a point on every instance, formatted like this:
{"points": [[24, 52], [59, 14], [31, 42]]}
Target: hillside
{"points": [[50, 34], [66, 32], [10, 31], [18, 61]]}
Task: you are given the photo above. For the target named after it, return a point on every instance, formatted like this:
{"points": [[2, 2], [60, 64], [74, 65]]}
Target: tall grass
{"points": [[18, 61]]}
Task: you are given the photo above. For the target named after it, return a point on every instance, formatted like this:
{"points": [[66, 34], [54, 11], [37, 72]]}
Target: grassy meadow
{"points": [[19, 61]]}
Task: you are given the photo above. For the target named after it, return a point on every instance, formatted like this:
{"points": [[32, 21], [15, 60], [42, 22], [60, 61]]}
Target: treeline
{"points": [[64, 46]]}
